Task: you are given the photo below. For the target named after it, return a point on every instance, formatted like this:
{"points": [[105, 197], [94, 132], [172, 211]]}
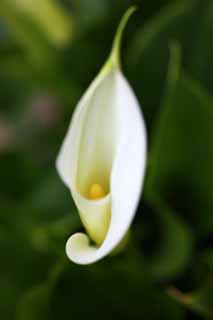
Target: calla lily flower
{"points": [[102, 160]]}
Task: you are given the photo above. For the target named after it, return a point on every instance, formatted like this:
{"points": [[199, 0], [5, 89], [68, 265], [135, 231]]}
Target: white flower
{"points": [[102, 160]]}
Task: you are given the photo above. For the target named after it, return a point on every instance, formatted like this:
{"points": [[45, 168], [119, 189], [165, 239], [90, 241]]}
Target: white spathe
{"points": [[105, 144]]}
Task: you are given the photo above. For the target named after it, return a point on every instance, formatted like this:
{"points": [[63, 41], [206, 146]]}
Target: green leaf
{"points": [[161, 119], [34, 304], [181, 155], [148, 54], [50, 17], [25, 33], [199, 59], [52, 236], [17, 268], [8, 296], [131, 297], [175, 244], [156, 26]]}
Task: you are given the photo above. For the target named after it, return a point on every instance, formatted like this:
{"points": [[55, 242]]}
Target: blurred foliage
{"points": [[50, 51]]}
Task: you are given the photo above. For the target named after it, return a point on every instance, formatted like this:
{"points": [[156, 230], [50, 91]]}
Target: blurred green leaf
{"points": [[52, 236], [89, 12], [181, 153], [148, 54], [17, 268], [49, 15], [34, 304], [199, 61], [36, 24], [175, 245], [25, 33], [173, 75], [92, 286], [50, 198], [160, 23]]}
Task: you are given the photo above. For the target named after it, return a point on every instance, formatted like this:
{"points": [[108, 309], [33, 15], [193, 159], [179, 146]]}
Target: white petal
{"points": [[128, 165], [87, 153], [66, 162]]}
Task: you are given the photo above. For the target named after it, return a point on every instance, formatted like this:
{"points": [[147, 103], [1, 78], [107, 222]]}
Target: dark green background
{"points": [[166, 271]]}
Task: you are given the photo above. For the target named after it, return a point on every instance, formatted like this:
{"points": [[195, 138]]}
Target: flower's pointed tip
{"points": [[115, 53], [132, 9]]}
